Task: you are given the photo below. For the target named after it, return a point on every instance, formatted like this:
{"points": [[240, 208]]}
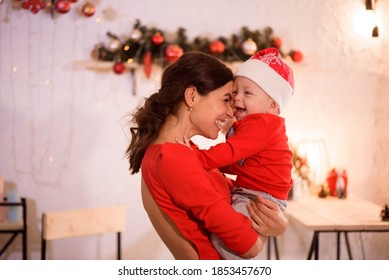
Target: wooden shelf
{"points": [[103, 65]]}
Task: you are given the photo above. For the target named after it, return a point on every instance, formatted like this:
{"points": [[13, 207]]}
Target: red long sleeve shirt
{"points": [[257, 152], [198, 201]]}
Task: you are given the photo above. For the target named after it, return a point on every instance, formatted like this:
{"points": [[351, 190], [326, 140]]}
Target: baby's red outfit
{"points": [[261, 140]]}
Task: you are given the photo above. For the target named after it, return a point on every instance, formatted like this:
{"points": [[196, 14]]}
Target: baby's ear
{"points": [[275, 107]]}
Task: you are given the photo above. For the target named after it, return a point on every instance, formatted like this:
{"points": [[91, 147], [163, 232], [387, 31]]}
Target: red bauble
{"points": [[276, 42], [119, 68], [296, 56], [88, 9], [157, 39], [62, 6], [34, 5], [173, 52], [217, 47]]}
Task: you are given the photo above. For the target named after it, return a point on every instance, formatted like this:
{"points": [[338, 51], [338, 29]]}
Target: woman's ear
{"points": [[190, 93]]}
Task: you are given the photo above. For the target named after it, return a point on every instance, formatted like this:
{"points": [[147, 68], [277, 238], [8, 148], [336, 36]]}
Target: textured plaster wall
{"points": [[62, 127]]}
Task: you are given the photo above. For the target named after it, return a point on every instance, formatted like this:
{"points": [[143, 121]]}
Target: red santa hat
{"points": [[268, 71]]}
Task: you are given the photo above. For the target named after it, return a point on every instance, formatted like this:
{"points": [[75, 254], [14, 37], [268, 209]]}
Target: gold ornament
{"points": [[136, 35], [249, 47]]}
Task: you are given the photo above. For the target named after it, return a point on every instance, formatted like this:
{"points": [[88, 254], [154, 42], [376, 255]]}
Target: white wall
{"points": [[61, 126]]}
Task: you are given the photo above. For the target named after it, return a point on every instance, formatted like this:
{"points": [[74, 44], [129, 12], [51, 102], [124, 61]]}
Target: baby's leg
{"points": [[239, 202]]}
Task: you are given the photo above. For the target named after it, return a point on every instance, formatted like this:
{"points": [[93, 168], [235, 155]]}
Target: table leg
{"points": [[348, 245], [276, 248], [338, 245], [274, 239], [269, 249], [314, 246]]}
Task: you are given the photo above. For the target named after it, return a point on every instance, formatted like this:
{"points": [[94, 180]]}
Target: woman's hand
{"points": [[266, 217]]}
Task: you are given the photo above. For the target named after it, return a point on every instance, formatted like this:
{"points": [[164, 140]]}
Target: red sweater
{"points": [[198, 201], [257, 152]]}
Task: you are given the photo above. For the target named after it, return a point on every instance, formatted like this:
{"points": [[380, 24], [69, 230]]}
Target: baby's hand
{"points": [[184, 142], [226, 125]]}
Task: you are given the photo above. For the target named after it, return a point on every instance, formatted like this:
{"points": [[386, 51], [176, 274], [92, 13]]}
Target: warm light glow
{"points": [[315, 152], [365, 21], [98, 20], [14, 69]]}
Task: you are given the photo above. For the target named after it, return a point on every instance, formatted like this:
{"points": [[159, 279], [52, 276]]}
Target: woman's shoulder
{"points": [[172, 151]]}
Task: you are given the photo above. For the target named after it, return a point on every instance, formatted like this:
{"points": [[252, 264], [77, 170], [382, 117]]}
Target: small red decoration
{"points": [[62, 6], [34, 5], [147, 61], [119, 68], [157, 39], [173, 52], [217, 47], [88, 10], [337, 182], [296, 56], [276, 42]]}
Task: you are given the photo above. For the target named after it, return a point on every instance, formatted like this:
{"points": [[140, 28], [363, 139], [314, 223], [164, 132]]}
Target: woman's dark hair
{"points": [[207, 73]]}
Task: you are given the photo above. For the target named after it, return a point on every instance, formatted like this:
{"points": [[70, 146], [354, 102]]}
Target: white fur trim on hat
{"points": [[279, 89]]}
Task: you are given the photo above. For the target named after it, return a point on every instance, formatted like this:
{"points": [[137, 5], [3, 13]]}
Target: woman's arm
{"points": [[266, 217]]}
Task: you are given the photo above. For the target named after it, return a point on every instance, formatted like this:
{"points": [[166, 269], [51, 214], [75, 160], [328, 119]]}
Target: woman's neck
{"points": [[174, 128]]}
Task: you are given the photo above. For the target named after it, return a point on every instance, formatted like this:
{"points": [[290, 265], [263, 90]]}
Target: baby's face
{"points": [[249, 98]]}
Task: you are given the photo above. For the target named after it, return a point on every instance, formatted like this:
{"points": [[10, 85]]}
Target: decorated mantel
{"points": [[147, 46]]}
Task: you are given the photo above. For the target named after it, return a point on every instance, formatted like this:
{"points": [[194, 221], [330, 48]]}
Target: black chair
{"points": [[15, 228]]}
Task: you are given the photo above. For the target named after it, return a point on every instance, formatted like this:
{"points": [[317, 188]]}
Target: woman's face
{"points": [[211, 110]]}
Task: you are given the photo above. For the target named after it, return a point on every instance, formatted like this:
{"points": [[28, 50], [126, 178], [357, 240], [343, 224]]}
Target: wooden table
{"points": [[336, 215]]}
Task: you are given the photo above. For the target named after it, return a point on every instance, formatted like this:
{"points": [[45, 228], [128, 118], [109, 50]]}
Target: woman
{"points": [[184, 201]]}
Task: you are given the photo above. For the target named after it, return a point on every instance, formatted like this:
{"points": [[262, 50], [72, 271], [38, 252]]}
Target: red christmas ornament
{"points": [[337, 182], [88, 10], [119, 68], [172, 53], [34, 5], [296, 56], [276, 42], [62, 6], [217, 47], [157, 39], [147, 64]]}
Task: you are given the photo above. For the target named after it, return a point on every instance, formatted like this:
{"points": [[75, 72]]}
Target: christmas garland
{"points": [[149, 45], [54, 7]]}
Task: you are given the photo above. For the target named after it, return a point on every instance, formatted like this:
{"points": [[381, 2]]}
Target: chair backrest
{"points": [[83, 222], [180, 247]]}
